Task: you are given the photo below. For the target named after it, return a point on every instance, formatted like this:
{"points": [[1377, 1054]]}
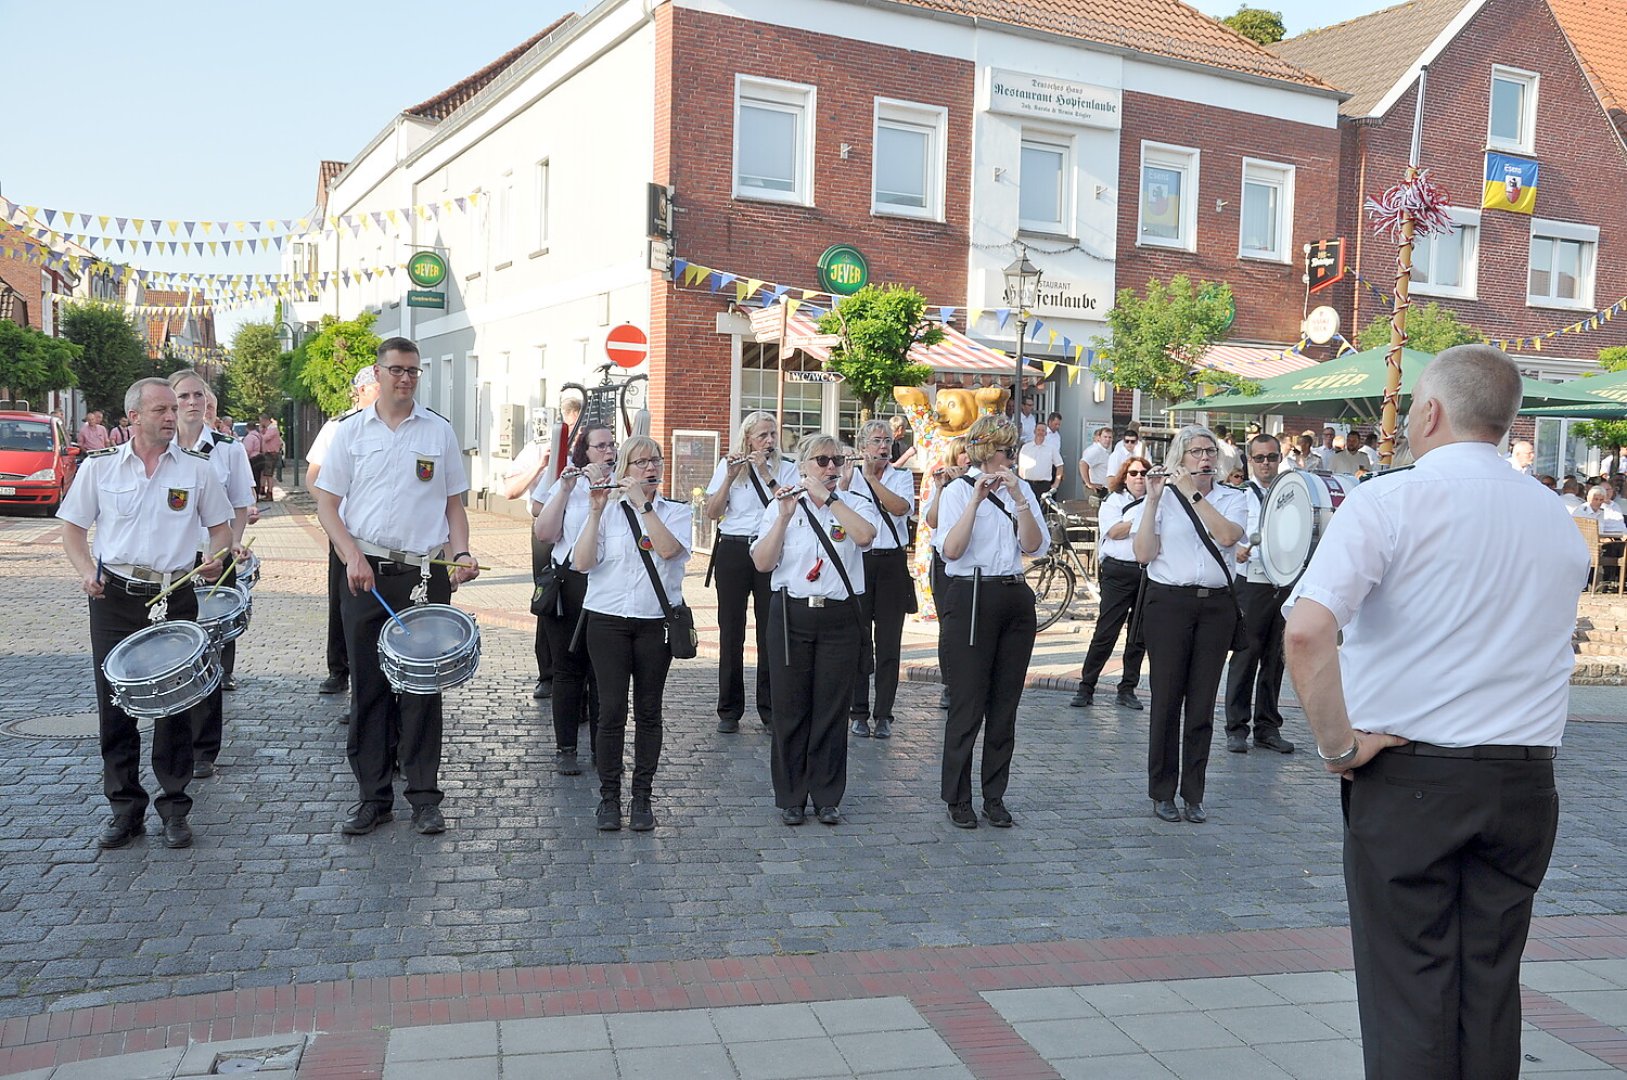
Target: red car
{"points": [[36, 460]]}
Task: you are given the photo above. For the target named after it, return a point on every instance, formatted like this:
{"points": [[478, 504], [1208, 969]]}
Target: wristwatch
{"points": [[646, 508], [1197, 496], [832, 500]]}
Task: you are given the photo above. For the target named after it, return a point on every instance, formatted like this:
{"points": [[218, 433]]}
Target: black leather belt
{"points": [[817, 601], [1200, 591], [738, 538], [130, 586], [885, 551], [1484, 752], [1119, 562], [990, 579], [392, 567]]}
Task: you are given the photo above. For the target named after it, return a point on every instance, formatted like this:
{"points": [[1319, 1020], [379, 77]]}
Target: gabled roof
{"points": [[448, 101], [1369, 56], [326, 171], [1594, 28], [160, 328], [1166, 28]]}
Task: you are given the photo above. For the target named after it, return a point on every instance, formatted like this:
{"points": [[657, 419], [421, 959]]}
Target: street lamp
{"points": [[289, 336], [1022, 289]]}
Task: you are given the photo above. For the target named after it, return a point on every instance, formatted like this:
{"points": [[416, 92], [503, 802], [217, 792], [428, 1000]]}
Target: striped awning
{"points": [[1254, 361], [955, 353]]}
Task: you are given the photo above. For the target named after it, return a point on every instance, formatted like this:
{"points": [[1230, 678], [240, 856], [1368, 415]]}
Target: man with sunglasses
{"points": [[1254, 676], [1129, 446]]}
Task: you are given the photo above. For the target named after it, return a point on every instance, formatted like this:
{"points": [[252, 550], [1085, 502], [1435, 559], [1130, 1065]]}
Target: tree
{"points": [[1159, 339], [334, 355], [33, 364], [879, 325], [112, 354], [1606, 434], [254, 374], [1430, 329], [1257, 24], [1614, 358]]}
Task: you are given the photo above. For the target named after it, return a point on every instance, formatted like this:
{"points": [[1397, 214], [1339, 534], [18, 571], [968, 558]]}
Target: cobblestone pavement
{"points": [[273, 895]]}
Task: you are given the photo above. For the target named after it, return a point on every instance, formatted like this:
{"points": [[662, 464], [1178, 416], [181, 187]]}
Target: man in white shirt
{"points": [[1093, 471], [1230, 456], [1346, 462], [1027, 421], [1521, 456], [1325, 452], [364, 390], [1598, 507], [1570, 493], [1129, 446], [1450, 808], [525, 474], [1254, 674], [1040, 463]]}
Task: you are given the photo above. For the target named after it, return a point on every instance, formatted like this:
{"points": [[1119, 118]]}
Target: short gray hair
{"points": [[1183, 440], [138, 390], [1478, 385], [871, 428]]}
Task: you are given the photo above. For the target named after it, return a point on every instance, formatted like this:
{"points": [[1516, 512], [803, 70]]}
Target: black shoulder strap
{"points": [[1258, 494], [758, 485], [649, 563], [892, 530], [1133, 503], [830, 549]]}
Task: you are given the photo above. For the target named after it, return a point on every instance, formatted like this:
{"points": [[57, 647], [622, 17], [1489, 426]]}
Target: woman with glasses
{"points": [[626, 622], [742, 487], [810, 543], [1119, 575], [986, 623], [1188, 527], [889, 593], [564, 510]]}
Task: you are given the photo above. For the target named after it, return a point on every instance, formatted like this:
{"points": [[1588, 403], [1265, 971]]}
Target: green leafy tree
{"points": [[1257, 24], [1614, 358], [1608, 435], [1159, 338], [1430, 328], [112, 354], [33, 364], [333, 356], [254, 374], [878, 326]]}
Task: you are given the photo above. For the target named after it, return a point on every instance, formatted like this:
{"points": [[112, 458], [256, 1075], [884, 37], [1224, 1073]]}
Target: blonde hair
{"points": [[987, 436], [952, 449], [813, 443], [639, 446], [1182, 442], [742, 438]]}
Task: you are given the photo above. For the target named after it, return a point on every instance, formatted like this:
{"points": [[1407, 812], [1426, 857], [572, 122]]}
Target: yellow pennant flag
{"points": [[972, 315], [239, 225], [212, 246], [390, 216], [174, 226], [1073, 374], [239, 244], [1047, 366], [102, 220], [474, 198], [792, 305], [1052, 337]]}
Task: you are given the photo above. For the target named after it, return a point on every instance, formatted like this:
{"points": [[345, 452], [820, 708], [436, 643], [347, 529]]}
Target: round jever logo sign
{"points": [[842, 270], [426, 269]]}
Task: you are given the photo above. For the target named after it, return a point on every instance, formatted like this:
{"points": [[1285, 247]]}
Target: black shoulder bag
{"points": [[835, 559], [682, 639], [1239, 631]]}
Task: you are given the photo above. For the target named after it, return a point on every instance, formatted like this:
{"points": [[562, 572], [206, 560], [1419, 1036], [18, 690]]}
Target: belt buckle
{"points": [[816, 601], [1205, 593]]}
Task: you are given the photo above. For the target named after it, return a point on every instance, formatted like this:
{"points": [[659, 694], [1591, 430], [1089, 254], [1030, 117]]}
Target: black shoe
{"points": [[1272, 741], [830, 815], [792, 815], [543, 689], [334, 684], [565, 763], [726, 726], [995, 810], [1193, 812], [861, 727], [202, 769], [229, 683], [1127, 700], [608, 818], [1237, 744], [883, 728], [364, 818], [428, 820], [1164, 810], [641, 818], [1082, 699], [177, 833], [961, 814], [120, 830]]}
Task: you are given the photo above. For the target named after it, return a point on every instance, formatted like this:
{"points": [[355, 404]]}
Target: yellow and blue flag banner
{"points": [[1511, 184]]}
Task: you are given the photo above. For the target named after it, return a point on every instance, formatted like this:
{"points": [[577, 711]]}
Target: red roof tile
{"points": [[1367, 56], [448, 101], [1594, 28]]}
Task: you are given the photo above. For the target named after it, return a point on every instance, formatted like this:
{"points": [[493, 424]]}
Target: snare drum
{"points": [[1298, 506], [248, 571], [163, 669], [223, 613], [442, 650]]}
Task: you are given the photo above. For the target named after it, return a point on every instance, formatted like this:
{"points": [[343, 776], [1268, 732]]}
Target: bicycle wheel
{"points": [[1053, 584]]}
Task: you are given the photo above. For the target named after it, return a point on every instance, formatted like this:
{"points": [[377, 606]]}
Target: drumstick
{"points": [[229, 567], [391, 610], [178, 582], [466, 566]]}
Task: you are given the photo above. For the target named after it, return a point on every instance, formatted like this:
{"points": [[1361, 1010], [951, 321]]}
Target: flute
{"points": [[792, 493], [1195, 472]]}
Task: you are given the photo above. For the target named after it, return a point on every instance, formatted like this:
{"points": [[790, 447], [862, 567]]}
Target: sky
{"points": [[191, 110]]}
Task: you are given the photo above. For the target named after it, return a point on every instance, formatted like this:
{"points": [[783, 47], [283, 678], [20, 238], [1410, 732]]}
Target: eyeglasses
{"points": [[1262, 459], [601, 446], [1136, 472], [1203, 451], [825, 461], [397, 371], [643, 462]]}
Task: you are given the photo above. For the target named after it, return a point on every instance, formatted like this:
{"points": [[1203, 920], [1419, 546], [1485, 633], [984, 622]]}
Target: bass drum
{"points": [[1298, 507]]}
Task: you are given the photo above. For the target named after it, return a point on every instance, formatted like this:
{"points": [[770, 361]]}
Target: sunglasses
{"points": [[1262, 459], [825, 461], [1136, 472]]}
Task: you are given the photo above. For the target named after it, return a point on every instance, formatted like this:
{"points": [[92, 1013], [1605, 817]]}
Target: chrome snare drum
{"points": [[1298, 506], [248, 571], [224, 613], [163, 669], [440, 649]]}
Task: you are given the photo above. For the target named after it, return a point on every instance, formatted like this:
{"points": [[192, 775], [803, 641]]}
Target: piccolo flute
{"points": [[1195, 472]]}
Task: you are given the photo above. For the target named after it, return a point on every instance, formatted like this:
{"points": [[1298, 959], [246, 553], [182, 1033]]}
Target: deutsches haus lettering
{"points": [[1058, 99]]}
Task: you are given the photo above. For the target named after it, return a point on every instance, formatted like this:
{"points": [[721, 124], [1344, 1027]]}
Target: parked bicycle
{"points": [[1057, 576]]}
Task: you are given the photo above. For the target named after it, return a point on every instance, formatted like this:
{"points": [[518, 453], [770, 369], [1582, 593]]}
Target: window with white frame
{"points": [[540, 234], [908, 169], [1513, 112], [1267, 220], [1045, 182], [1446, 264], [773, 140], [1168, 215], [1561, 270]]}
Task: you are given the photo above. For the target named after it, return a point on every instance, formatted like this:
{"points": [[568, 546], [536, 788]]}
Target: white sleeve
{"points": [[338, 470], [457, 475], [676, 517], [719, 474], [239, 476]]}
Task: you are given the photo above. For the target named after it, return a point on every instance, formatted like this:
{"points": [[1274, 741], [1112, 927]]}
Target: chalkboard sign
{"points": [[694, 457]]}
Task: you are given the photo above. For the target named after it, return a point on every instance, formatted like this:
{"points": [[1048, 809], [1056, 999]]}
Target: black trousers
{"points": [[985, 681], [338, 588], [738, 580], [209, 715], [114, 617], [1254, 678], [628, 653], [576, 693], [1438, 922], [541, 553], [1187, 638], [1120, 582], [884, 602], [386, 726], [812, 694]]}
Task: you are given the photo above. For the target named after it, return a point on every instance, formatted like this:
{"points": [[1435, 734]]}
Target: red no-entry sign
{"points": [[626, 345]]}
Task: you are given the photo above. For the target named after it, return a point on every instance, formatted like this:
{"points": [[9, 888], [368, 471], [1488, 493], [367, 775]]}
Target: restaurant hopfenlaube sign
{"points": [[1053, 99]]}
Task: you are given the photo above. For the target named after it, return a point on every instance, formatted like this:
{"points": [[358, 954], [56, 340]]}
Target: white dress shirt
{"points": [[619, 584], [1116, 508], [1182, 557], [395, 483], [1095, 459], [142, 520], [577, 505], [1039, 461], [230, 464], [1027, 425], [1455, 583], [900, 482], [803, 549], [1323, 457], [744, 509], [1120, 455], [1255, 570], [1346, 462], [993, 547], [1572, 501]]}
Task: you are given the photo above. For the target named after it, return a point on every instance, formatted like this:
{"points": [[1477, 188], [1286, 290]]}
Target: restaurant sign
{"points": [[1051, 98]]}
